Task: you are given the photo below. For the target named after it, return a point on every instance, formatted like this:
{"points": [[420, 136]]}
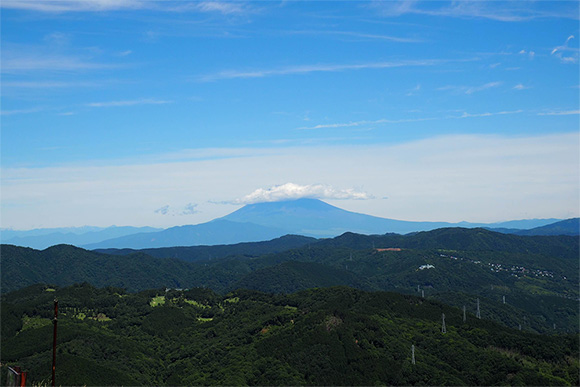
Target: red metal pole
{"points": [[54, 340]]}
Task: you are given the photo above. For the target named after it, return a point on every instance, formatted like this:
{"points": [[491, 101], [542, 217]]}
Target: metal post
{"points": [[54, 341], [412, 354]]}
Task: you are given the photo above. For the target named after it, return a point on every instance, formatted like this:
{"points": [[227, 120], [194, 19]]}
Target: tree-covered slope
{"points": [[333, 336], [563, 227], [196, 253], [66, 265], [540, 285], [464, 239]]}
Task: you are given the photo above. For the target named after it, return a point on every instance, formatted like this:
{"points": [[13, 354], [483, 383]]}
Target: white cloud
{"points": [[162, 210], [22, 62], [360, 35], [58, 6], [488, 114], [46, 84], [145, 101], [560, 113], [449, 178], [20, 111], [560, 52], [188, 209], [520, 86], [476, 89], [290, 191], [470, 89], [384, 121], [223, 7], [305, 69], [505, 11], [62, 6]]}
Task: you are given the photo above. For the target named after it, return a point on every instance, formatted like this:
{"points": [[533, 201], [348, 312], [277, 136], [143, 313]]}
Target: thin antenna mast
{"points": [[422, 293], [504, 300], [443, 328], [54, 341], [464, 316], [478, 313], [413, 354]]}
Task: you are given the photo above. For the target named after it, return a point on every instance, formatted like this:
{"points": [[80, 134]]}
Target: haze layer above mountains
{"points": [[265, 221]]}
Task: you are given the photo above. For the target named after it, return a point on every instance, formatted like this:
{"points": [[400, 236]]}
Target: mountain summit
{"points": [[313, 217]]}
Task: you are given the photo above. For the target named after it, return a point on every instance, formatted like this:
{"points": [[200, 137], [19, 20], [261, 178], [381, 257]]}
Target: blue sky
{"points": [[164, 113]]}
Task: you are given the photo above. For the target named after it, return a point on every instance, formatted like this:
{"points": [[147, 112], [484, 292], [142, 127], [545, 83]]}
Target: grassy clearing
{"points": [[159, 300], [34, 322], [195, 303]]}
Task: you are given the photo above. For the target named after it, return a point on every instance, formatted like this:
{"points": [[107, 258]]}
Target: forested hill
{"points": [[333, 336], [464, 239], [538, 276], [197, 253], [453, 238], [66, 265]]}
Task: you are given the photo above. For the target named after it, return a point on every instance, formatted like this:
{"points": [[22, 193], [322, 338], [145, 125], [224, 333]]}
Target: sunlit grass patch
{"points": [[158, 300]]}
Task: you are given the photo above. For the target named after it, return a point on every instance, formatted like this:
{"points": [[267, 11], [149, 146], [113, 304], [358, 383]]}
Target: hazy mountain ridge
{"points": [[216, 232], [260, 222], [78, 236]]}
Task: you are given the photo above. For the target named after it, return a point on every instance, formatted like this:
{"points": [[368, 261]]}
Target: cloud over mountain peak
{"points": [[290, 191]]}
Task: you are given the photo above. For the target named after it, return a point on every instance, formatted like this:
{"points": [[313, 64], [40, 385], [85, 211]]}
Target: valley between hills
{"points": [[479, 307]]}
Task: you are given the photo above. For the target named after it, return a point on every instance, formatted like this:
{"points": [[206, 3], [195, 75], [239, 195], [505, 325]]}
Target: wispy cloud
{"points": [[75, 5], [145, 101], [414, 91], [22, 62], [364, 123], [223, 7], [476, 89], [305, 69], [162, 210], [290, 191], [560, 113], [488, 114], [46, 84], [470, 89], [20, 111], [62, 6], [359, 35], [407, 120], [188, 209], [520, 86], [505, 11], [530, 54], [560, 52]]}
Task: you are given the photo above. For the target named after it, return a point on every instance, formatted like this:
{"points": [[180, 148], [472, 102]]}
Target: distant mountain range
{"points": [[265, 221], [78, 236], [538, 274]]}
